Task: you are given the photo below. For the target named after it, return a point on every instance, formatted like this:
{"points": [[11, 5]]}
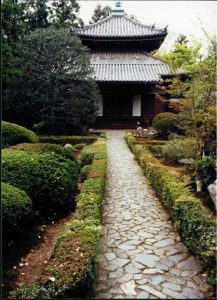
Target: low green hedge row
{"points": [[50, 179], [13, 134], [194, 222], [94, 151], [71, 270], [16, 208], [73, 140]]}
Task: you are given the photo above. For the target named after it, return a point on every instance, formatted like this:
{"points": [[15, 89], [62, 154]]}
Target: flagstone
{"points": [[142, 256]]}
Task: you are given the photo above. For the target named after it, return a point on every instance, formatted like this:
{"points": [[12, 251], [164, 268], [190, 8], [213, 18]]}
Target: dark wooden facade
{"points": [[126, 72], [118, 105]]}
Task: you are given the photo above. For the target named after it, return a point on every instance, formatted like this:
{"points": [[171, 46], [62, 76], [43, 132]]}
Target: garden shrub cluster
{"points": [[70, 272], [56, 151], [166, 123], [177, 149], [194, 222], [156, 150], [94, 151], [13, 134], [206, 170], [73, 140], [50, 181], [16, 208], [79, 147], [84, 172]]}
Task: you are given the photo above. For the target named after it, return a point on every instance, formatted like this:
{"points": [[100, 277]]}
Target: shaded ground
{"points": [[29, 267], [141, 255]]}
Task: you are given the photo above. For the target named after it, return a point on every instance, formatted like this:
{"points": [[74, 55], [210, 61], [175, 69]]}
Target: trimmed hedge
{"points": [[166, 123], [16, 207], [84, 172], [13, 134], [64, 139], [50, 181], [71, 270], [194, 222], [79, 147], [94, 151], [41, 148]]}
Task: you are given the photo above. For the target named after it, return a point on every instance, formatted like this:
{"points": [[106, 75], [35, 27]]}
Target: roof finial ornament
{"points": [[118, 4], [118, 10]]}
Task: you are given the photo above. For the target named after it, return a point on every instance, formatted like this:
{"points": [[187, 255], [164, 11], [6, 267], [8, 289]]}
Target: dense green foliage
{"points": [[84, 172], [13, 134], [64, 13], [177, 149], [55, 84], [73, 140], [94, 151], [19, 19], [205, 170], [16, 208], [71, 270], [50, 181], [196, 94], [166, 123], [194, 222], [79, 147], [56, 151]]}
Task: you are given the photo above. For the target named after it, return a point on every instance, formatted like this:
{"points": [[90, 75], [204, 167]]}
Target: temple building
{"points": [[125, 71]]}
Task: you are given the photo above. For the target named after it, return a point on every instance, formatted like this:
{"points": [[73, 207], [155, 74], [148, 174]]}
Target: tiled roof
{"points": [[128, 66], [120, 26]]}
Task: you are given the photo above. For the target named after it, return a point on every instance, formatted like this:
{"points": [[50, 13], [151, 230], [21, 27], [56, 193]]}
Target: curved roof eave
{"points": [[117, 26]]}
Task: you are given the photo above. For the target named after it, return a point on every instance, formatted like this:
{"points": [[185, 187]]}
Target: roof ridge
{"points": [[100, 63], [142, 25], [119, 26], [98, 22]]}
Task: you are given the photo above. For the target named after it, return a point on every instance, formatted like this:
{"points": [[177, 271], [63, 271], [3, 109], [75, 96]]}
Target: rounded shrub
{"points": [[84, 172], [13, 134], [50, 182], [79, 146], [86, 157], [166, 123], [16, 206], [94, 151], [44, 148]]}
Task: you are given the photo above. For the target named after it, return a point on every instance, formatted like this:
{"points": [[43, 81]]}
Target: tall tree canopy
{"points": [[55, 83], [198, 92], [64, 13], [42, 68], [100, 13]]}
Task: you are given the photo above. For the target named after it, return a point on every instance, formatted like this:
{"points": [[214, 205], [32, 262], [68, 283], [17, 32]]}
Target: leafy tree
{"points": [[55, 85], [13, 30], [13, 21], [37, 13], [197, 92], [64, 13], [100, 13]]}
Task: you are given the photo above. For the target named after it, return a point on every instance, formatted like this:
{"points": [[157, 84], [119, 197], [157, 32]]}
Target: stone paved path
{"points": [[141, 255]]}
